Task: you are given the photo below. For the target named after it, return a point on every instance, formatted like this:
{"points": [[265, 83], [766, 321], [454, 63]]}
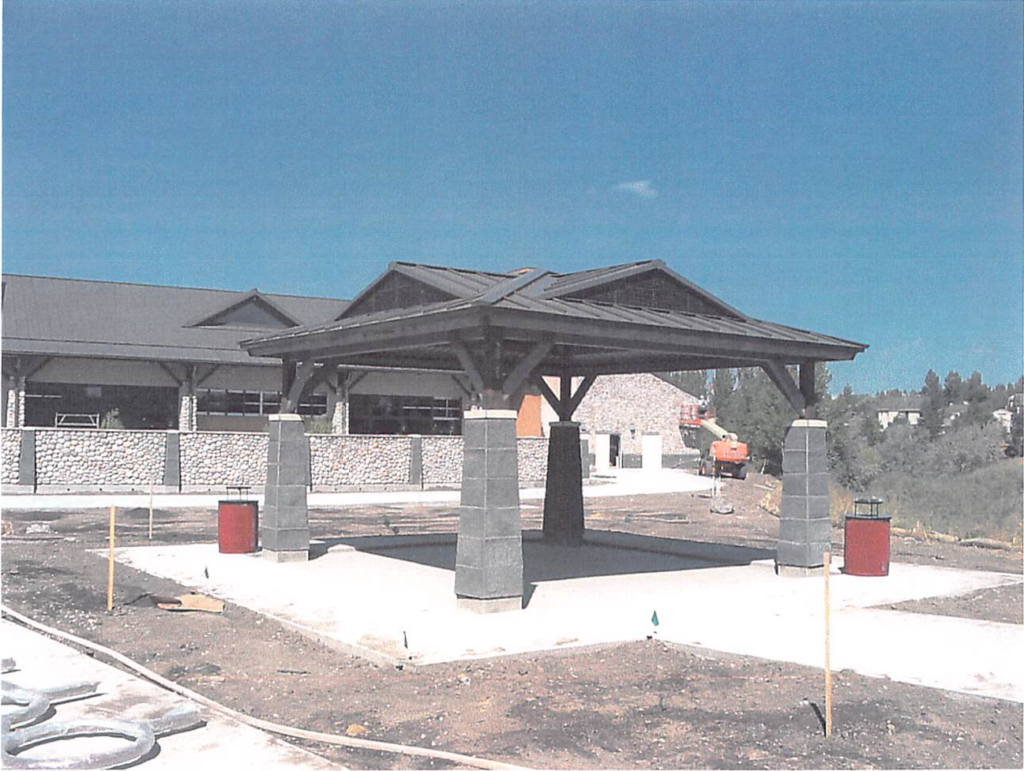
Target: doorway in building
{"points": [[614, 443]]}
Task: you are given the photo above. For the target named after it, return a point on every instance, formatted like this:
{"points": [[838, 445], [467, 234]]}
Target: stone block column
{"points": [[805, 530], [186, 408], [339, 415], [563, 490], [284, 522], [489, 551], [14, 402]]}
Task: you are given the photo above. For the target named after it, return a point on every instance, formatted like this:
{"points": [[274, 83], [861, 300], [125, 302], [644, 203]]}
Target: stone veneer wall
{"points": [[347, 460], [10, 453], [211, 460], [442, 460], [99, 457], [629, 405], [217, 458], [533, 459]]}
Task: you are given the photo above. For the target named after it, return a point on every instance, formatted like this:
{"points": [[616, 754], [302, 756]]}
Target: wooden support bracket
{"points": [[303, 372], [525, 366], [469, 366], [780, 376]]}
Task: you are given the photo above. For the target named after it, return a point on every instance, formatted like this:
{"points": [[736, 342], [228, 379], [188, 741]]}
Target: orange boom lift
{"points": [[728, 456]]}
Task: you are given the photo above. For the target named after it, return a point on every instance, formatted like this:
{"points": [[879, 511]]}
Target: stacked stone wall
{"points": [[533, 459], [629, 405], [10, 453], [442, 460], [214, 459], [99, 457], [355, 460]]}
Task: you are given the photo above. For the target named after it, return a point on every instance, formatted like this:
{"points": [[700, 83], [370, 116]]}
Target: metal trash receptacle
{"points": [[866, 539], [237, 526]]}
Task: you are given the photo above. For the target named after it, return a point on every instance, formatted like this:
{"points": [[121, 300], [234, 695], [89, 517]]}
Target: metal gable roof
{"points": [[75, 317], [534, 302]]}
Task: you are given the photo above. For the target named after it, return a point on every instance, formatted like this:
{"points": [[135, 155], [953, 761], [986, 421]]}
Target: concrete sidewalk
{"points": [[618, 483], [719, 597], [221, 743]]}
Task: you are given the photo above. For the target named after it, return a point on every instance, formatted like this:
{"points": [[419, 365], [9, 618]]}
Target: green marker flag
{"points": [[654, 618]]}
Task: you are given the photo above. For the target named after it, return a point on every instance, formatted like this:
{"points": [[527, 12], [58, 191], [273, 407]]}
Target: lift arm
{"points": [[717, 430]]}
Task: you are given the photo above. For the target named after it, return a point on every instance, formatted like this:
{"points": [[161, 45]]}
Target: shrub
{"points": [[985, 502], [112, 419], [319, 426]]}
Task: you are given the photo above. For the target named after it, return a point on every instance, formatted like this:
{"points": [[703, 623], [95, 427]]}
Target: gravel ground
{"points": [[637, 705]]}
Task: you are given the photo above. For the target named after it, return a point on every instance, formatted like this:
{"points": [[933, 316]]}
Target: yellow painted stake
{"points": [[828, 662], [151, 511], [110, 565]]}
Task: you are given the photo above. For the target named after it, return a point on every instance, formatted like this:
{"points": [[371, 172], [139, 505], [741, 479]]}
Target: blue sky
{"points": [[852, 168]]}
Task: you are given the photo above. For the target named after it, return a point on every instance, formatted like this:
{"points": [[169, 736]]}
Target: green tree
{"points": [[953, 388], [934, 407], [693, 382], [871, 431], [759, 414], [723, 385]]}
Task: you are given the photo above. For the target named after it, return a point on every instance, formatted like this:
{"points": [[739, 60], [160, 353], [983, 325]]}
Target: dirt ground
{"points": [[637, 705]]}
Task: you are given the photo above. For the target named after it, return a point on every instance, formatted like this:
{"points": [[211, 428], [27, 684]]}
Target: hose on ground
{"points": [[264, 725]]}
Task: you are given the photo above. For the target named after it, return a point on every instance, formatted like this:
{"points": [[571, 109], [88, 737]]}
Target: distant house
{"points": [[902, 407]]}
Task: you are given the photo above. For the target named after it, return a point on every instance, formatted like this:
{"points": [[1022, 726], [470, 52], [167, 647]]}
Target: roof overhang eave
{"points": [[406, 332]]}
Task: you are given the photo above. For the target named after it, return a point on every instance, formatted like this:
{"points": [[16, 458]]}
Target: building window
{"points": [[220, 401], [385, 414]]}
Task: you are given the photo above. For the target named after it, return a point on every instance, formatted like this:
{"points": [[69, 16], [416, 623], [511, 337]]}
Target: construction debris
{"points": [[186, 602]]}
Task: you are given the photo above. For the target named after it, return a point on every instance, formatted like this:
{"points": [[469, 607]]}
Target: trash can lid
{"points": [[870, 500]]}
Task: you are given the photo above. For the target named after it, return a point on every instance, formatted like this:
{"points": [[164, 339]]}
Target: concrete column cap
{"points": [[478, 414], [284, 416], [804, 423]]}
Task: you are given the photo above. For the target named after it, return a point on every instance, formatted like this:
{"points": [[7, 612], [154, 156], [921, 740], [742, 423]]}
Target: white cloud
{"points": [[642, 188]]}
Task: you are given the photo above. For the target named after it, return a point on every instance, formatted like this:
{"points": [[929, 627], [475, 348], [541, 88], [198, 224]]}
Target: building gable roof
{"points": [[76, 317], [253, 309]]}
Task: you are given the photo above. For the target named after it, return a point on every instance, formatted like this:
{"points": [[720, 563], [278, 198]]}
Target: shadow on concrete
{"points": [[603, 553]]}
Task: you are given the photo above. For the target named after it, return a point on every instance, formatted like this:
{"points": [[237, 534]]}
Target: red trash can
{"points": [[237, 526], [866, 539]]}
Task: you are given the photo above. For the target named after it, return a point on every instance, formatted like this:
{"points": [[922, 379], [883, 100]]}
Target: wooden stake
{"points": [[151, 511], [828, 662], [110, 564]]}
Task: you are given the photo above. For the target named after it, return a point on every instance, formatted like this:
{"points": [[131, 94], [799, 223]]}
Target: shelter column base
{"points": [[563, 490], [489, 550], [805, 530], [284, 524]]}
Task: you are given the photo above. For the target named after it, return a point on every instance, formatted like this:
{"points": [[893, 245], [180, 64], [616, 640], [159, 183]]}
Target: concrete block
{"points": [[794, 462], [501, 493], [274, 539], [299, 555], [807, 555], [292, 499], [503, 581], [805, 530], [502, 463], [473, 464], [474, 434], [502, 551], [416, 460], [469, 581], [495, 605], [172, 460], [469, 549], [804, 507], [27, 459]]}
